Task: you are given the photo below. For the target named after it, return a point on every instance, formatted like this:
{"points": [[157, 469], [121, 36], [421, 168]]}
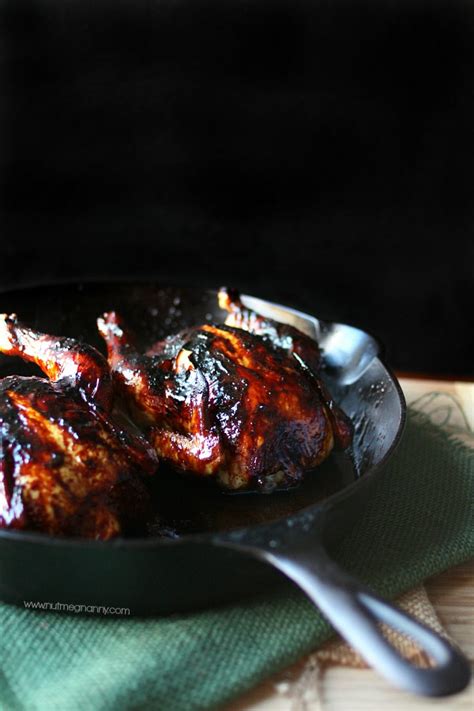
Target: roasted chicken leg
{"points": [[66, 466], [239, 403]]}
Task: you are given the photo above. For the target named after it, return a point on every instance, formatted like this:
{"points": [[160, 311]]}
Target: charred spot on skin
{"points": [[8, 468], [57, 459], [90, 463]]}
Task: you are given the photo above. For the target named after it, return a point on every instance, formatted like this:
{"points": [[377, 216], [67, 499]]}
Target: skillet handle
{"points": [[355, 612]]}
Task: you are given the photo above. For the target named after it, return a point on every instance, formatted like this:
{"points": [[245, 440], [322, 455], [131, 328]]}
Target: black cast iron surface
{"points": [[205, 547]]}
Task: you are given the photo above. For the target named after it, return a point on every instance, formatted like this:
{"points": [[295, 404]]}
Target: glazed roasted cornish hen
{"points": [[241, 403], [66, 466]]}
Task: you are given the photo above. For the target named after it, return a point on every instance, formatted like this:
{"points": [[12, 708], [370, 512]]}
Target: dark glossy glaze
{"points": [[66, 466], [224, 401], [61, 359], [295, 343]]}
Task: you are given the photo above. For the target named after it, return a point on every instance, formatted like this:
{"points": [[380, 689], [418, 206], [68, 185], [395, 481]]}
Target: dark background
{"points": [[315, 153]]}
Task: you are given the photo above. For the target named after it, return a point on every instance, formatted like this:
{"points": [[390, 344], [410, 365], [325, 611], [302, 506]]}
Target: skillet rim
{"points": [[210, 537]]}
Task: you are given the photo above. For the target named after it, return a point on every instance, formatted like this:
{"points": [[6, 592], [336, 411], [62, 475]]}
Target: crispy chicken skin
{"points": [[229, 402], [297, 344], [66, 466]]}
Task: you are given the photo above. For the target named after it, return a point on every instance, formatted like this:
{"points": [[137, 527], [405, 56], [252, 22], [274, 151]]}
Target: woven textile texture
{"points": [[418, 523]]}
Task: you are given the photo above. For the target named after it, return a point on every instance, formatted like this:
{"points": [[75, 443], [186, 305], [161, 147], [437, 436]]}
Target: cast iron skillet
{"points": [[207, 547]]}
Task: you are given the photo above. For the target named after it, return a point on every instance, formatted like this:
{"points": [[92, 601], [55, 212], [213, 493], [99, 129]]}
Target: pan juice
{"points": [[183, 505]]}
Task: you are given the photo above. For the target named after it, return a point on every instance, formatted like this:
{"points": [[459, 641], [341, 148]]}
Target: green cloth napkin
{"points": [[419, 522]]}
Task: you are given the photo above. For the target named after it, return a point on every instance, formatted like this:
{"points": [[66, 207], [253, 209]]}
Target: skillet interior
{"points": [[356, 377]]}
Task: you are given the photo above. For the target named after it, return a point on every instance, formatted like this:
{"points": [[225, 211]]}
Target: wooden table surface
{"points": [[346, 689]]}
